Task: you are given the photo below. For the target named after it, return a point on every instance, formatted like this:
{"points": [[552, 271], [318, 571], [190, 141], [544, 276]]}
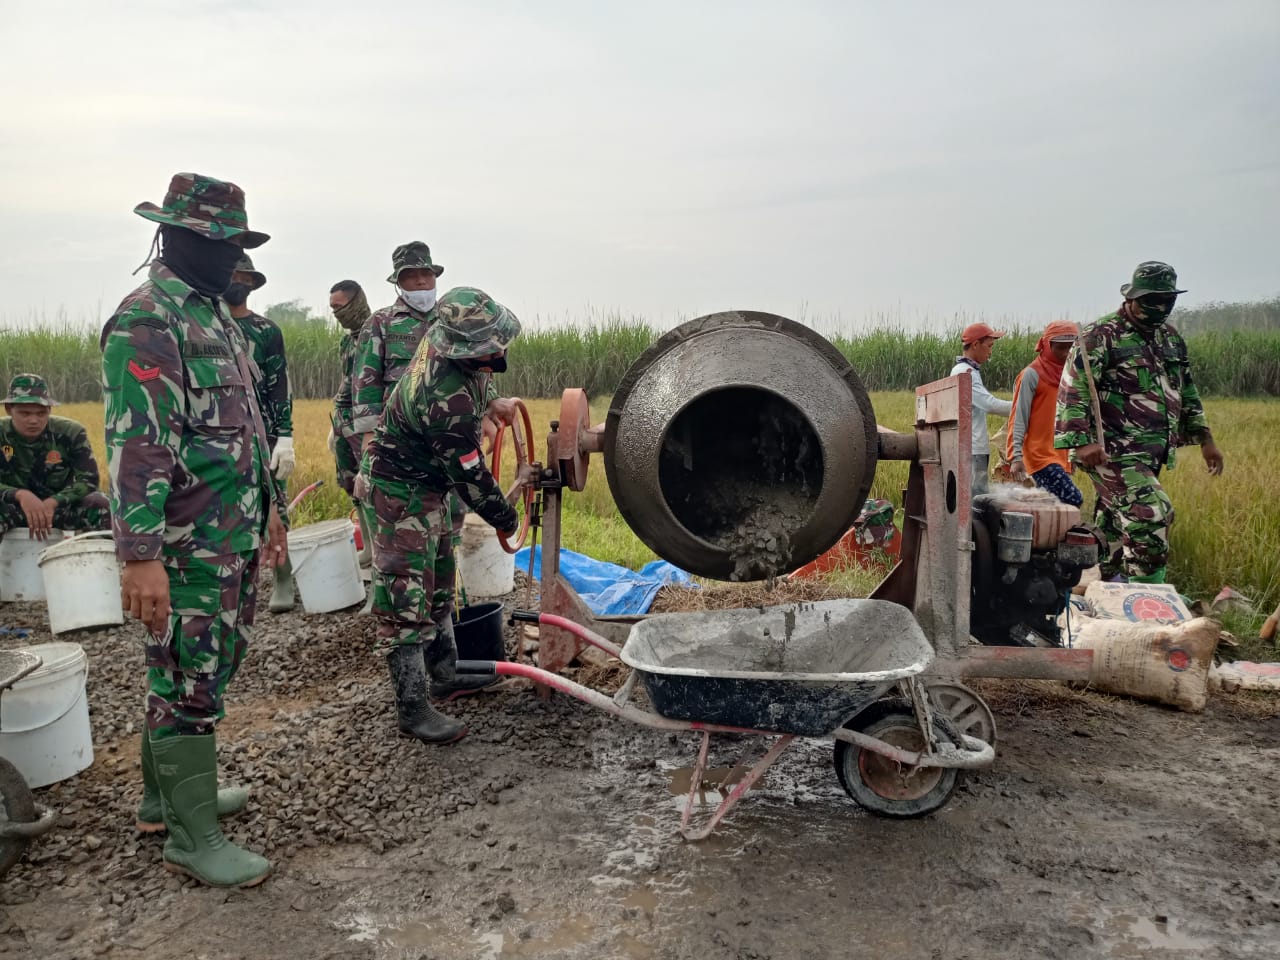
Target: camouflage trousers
{"points": [[1133, 510], [91, 513], [346, 455], [414, 565], [213, 601]]}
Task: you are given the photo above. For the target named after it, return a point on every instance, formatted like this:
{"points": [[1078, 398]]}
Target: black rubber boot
{"points": [[460, 686], [417, 718], [441, 654]]}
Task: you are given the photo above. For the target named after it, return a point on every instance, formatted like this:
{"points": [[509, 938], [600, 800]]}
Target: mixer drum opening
{"points": [[740, 445], [741, 468]]}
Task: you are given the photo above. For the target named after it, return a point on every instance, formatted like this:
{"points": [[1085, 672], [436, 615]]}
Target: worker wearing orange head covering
{"points": [[1030, 447]]}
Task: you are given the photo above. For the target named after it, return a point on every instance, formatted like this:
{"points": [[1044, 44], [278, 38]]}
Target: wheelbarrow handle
{"points": [[42, 824], [483, 668]]}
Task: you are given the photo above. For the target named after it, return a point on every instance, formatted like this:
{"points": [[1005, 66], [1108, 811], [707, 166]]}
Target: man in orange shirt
{"points": [[1035, 396]]}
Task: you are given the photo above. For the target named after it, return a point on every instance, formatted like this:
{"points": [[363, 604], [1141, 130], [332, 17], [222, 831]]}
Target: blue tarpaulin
{"points": [[607, 588]]}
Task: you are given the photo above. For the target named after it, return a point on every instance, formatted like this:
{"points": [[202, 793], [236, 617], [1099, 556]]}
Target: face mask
{"points": [[236, 294], [1152, 310], [420, 300], [204, 265], [354, 313], [472, 365]]}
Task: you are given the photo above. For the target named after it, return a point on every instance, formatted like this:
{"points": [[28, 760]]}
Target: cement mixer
{"points": [[741, 445]]}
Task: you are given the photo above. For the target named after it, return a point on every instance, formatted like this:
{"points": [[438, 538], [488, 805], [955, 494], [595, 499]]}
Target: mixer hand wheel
{"points": [[523, 444]]}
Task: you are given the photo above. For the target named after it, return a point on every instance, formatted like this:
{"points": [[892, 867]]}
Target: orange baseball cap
{"points": [[977, 331]]}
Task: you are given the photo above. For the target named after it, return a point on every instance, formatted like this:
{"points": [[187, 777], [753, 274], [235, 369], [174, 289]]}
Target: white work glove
{"points": [[282, 458], [333, 442]]}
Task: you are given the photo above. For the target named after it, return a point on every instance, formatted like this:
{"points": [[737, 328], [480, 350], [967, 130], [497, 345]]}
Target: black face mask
{"points": [[236, 294], [203, 264], [472, 365]]}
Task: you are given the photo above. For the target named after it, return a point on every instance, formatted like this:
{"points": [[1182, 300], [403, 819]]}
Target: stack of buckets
{"points": [[44, 717]]}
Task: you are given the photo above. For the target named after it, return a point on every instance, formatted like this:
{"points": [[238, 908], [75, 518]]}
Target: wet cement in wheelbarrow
{"points": [[1106, 829]]}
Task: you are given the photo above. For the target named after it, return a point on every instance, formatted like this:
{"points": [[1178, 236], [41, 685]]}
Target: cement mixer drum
{"points": [[740, 446]]}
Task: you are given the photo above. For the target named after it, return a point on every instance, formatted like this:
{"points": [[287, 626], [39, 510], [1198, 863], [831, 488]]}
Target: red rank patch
{"points": [[53, 456], [143, 374]]}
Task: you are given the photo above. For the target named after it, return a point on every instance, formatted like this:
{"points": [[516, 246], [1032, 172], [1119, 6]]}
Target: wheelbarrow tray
{"points": [[798, 668]]}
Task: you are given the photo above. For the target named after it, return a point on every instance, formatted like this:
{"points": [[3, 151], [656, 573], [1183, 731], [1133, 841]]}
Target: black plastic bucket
{"points": [[478, 632]]}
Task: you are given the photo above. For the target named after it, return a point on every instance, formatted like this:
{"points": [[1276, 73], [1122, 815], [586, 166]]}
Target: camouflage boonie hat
{"points": [[212, 208], [245, 265], [29, 388], [1151, 277], [414, 255], [470, 323]]}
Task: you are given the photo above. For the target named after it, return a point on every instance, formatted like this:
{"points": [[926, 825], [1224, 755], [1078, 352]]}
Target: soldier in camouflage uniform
{"points": [[428, 445], [48, 476], [1149, 406], [275, 399], [191, 507], [387, 344], [351, 309]]}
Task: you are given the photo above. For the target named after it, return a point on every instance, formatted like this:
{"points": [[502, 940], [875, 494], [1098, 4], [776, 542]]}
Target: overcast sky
{"points": [[824, 160]]}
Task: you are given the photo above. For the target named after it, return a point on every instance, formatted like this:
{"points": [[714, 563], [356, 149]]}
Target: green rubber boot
{"points": [[365, 556], [187, 771], [282, 592], [150, 815]]}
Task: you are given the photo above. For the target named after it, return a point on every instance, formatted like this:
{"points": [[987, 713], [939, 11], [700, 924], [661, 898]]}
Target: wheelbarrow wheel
{"points": [[886, 787], [17, 805]]}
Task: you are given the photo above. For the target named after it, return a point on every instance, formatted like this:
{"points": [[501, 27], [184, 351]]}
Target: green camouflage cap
{"points": [[414, 255], [29, 388], [470, 323], [1151, 277], [212, 208], [245, 265]]}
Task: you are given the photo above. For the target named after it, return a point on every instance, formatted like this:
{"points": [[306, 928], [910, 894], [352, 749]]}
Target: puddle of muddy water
{"points": [[717, 781], [1127, 934]]}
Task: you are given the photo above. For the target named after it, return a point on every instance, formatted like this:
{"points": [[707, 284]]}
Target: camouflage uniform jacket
{"points": [[186, 448], [348, 350], [1149, 402], [430, 437], [59, 463], [275, 397], [388, 342]]}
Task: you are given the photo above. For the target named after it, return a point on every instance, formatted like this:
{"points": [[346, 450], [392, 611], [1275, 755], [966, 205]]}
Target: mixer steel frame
{"points": [[932, 575]]}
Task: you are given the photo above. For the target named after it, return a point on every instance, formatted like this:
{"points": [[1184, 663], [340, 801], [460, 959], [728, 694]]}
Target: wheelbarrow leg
{"points": [[740, 788]]}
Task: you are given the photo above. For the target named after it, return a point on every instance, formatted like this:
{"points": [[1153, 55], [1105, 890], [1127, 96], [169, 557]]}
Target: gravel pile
{"points": [[310, 729]]}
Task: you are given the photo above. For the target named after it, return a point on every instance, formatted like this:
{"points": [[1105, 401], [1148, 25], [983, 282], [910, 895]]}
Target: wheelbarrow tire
{"points": [[863, 773], [19, 806]]}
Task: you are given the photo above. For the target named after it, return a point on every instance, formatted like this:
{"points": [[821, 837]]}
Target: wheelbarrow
{"points": [[814, 670], [21, 818]]}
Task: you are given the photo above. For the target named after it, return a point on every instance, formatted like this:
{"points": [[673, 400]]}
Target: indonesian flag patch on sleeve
{"points": [[470, 460]]}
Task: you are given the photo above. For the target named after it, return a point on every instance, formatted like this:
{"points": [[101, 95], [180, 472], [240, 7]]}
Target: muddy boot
{"points": [[365, 556], [441, 654], [150, 815], [417, 718], [460, 686], [187, 772], [282, 593]]}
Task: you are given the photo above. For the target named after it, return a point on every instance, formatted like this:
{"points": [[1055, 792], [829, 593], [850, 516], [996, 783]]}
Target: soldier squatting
{"points": [[199, 444]]}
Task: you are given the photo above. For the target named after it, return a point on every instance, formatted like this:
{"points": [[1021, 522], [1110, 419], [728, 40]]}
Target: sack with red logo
{"points": [[1162, 662]]}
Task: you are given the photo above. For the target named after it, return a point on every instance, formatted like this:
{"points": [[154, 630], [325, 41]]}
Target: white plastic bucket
{"points": [[20, 564], [44, 717], [326, 565], [82, 582], [486, 570]]}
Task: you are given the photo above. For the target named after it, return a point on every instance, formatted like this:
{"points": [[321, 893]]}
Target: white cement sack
{"points": [[1245, 674], [1164, 663], [1137, 602]]}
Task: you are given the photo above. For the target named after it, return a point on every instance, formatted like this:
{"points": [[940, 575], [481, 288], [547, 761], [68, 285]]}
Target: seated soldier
{"points": [[48, 476]]}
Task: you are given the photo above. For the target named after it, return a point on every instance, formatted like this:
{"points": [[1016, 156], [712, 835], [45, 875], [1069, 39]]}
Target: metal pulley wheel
{"points": [[968, 711], [523, 444]]}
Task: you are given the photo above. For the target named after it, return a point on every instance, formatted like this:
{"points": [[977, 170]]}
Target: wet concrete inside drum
{"points": [[742, 469]]}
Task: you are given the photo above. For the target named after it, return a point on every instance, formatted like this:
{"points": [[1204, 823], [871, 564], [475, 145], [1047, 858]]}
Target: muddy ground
{"points": [[1106, 829]]}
